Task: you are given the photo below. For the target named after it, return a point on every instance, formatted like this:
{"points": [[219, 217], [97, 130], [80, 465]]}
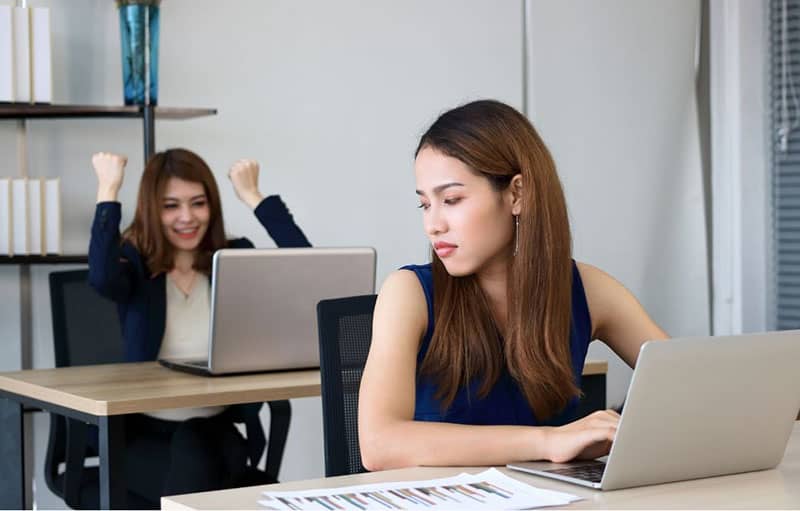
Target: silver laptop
{"points": [[698, 407], [264, 305]]}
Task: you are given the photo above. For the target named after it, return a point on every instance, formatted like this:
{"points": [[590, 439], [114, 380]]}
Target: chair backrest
{"points": [[345, 333], [86, 331], [86, 327]]}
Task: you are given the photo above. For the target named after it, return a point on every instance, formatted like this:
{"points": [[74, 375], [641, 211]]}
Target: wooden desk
{"points": [[103, 394], [779, 488]]}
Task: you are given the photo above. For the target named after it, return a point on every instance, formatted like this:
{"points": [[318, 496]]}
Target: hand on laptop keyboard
{"points": [[587, 438]]}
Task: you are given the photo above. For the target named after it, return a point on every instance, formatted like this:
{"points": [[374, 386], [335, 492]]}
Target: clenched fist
{"points": [[244, 176], [110, 169]]}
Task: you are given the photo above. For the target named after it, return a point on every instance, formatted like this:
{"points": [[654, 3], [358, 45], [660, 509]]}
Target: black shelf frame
{"points": [[147, 113], [48, 259]]}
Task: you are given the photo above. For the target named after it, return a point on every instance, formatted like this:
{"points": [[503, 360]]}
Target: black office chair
{"points": [[86, 331], [345, 333]]}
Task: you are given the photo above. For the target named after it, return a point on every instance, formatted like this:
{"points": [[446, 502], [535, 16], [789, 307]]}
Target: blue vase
{"points": [[139, 31]]}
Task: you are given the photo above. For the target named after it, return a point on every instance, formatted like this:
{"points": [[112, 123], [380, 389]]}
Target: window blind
{"points": [[784, 101]]}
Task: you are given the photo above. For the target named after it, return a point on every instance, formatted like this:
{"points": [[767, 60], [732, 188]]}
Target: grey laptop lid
{"points": [[263, 303], [701, 407]]}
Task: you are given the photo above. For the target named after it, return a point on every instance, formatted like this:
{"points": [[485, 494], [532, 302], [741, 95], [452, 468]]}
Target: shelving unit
{"points": [[22, 112]]}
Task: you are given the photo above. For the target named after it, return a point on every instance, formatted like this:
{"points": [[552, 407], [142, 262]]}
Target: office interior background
{"points": [[655, 112]]}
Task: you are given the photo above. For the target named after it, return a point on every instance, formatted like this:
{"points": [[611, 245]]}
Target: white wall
{"points": [[740, 141], [611, 90], [329, 96]]}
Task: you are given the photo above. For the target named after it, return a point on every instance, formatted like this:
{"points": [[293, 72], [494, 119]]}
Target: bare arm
{"points": [[391, 438], [618, 319]]}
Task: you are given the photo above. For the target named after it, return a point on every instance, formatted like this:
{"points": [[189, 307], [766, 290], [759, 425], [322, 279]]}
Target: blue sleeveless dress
{"points": [[505, 404]]}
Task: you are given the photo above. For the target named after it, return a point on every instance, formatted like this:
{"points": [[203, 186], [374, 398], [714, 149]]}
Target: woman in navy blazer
{"points": [[157, 273]]}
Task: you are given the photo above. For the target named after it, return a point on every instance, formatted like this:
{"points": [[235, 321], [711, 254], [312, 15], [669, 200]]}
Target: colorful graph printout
{"points": [[490, 489]]}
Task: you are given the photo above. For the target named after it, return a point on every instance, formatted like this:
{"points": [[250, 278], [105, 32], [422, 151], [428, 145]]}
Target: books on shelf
{"points": [[36, 243], [41, 56], [30, 216], [52, 216], [5, 217], [20, 216], [6, 54], [25, 55], [22, 54]]}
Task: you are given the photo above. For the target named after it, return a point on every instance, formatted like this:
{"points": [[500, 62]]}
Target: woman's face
{"points": [[185, 214], [469, 224]]}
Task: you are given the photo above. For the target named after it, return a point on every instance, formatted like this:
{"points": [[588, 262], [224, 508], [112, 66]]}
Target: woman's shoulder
{"points": [[421, 270], [596, 280], [402, 296], [130, 255], [405, 287], [587, 271], [404, 279], [604, 294]]}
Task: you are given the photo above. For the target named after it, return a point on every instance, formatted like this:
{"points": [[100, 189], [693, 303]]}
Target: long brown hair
{"points": [[498, 143], [146, 232]]}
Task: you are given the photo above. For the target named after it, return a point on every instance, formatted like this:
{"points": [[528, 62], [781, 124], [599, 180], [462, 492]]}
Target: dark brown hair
{"points": [[498, 143], [146, 232]]}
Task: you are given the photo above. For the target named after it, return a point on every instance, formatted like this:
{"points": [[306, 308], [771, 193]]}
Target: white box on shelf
{"points": [[22, 54], [20, 216], [6, 53], [52, 212], [36, 216], [6, 241], [41, 60]]}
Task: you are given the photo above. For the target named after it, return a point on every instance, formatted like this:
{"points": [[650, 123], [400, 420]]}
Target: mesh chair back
{"points": [[86, 328], [345, 333], [86, 331]]}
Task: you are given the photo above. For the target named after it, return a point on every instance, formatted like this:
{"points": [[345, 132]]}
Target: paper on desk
{"points": [[491, 489]]}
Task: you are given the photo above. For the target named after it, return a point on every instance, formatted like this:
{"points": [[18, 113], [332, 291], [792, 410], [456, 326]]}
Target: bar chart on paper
{"points": [[490, 489]]}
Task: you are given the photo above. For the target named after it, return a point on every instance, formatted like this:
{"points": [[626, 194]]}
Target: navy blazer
{"points": [[118, 271]]}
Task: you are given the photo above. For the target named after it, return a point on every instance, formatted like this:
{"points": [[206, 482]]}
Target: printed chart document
{"points": [[490, 489]]}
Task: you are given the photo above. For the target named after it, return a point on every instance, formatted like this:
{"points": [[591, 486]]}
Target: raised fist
{"points": [[244, 176], [110, 170]]}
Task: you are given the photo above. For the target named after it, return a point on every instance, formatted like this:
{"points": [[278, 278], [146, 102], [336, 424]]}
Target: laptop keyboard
{"points": [[592, 472]]}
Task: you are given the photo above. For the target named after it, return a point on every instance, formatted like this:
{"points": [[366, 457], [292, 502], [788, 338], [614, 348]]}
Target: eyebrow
{"points": [[201, 196], [439, 189]]}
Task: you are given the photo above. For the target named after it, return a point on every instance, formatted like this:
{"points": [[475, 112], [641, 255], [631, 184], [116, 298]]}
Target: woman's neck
{"points": [[184, 261], [493, 281]]}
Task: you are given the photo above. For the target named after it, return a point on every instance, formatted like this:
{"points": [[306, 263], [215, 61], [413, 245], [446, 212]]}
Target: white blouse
{"points": [[186, 336]]}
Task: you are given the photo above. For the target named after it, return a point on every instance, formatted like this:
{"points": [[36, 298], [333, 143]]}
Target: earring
{"points": [[516, 234]]}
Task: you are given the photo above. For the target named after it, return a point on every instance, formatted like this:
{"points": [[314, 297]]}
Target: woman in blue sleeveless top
{"points": [[476, 358]]}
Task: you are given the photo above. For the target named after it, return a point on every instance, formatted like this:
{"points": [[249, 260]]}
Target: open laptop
{"points": [[263, 305], [698, 407]]}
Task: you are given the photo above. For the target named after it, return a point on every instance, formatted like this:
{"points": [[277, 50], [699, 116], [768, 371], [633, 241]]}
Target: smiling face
{"points": [[185, 214], [469, 224]]}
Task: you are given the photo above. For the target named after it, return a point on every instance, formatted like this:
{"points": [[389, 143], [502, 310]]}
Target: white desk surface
{"points": [[769, 489]]}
